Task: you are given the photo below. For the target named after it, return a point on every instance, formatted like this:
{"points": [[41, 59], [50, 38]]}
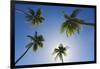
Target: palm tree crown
{"points": [[60, 52], [73, 24], [36, 41], [33, 17]]}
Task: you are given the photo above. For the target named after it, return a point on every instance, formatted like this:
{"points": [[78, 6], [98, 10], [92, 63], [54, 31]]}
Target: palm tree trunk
{"points": [[22, 11], [22, 55], [88, 24], [62, 59]]}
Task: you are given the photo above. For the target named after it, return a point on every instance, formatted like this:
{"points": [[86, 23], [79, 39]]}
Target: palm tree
{"points": [[36, 42], [35, 18], [60, 52], [73, 24]]}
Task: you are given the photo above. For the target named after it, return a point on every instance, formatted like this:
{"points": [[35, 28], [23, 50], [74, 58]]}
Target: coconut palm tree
{"points": [[35, 18], [60, 52], [36, 42], [73, 24]]}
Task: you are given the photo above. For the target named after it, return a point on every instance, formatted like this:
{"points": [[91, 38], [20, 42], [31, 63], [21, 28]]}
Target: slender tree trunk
{"points": [[22, 11], [62, 59], [22, 55], [88, 24]]}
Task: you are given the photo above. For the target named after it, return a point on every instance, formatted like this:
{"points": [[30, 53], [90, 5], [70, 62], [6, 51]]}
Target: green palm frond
{"points": [[31, 12], [39, 12], [55, 51], [40, 37], [64, 26], [34, 22], [75, 13], [77, 20], [31, 37], [40, 44], [35, 47], [28, 17], [66, 16], [70, 27], [57, 56], [40, 19]]}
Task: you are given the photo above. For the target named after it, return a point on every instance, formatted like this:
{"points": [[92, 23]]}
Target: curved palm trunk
{"points": [[88, 24], [21, 11], [22, 55]]}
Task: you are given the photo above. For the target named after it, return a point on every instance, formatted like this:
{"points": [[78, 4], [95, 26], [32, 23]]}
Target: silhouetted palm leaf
{"points": [[70, 28], [55, 51], [39, 12], [67, 16], [31, 12], [75, 13], [31, 37], [35, 47]]}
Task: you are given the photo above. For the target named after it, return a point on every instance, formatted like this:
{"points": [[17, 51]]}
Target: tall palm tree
{"points": [[35, 18], [36, 42], [73, 24], [60, 52]]}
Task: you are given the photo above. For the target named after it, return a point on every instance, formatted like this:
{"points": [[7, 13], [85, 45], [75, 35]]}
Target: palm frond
{"points": [[39, 12], [55, 51], [29, 18], [75, 13], [40, 44], [77, 20], [64, 53], [64, 26], [66, 16], [31, 37], [31, 12], [56, 57], [42, 18], [40, 38], [35, 47], [70, 27]]}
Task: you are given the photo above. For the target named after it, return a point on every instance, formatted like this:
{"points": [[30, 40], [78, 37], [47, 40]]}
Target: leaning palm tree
{"points": [[73, 24], [60, 52], [35, 18], [36, 42]]}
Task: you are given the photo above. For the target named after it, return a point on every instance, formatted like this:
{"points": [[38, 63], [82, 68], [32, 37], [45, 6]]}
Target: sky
{"points": [[80, 46]]}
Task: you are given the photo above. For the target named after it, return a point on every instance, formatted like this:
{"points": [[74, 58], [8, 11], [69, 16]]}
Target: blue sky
{"points": [[81, 46]]}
